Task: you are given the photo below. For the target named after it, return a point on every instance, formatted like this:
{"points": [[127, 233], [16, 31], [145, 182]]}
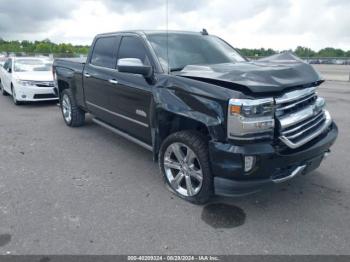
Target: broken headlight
{"points": [[250, 119]]}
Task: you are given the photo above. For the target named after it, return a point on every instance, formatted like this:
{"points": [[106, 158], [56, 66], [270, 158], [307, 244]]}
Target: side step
{"points": [[123, 134]]}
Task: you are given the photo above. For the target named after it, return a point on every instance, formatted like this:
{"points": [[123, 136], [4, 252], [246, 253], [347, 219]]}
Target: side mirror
{"points": [[9, 70], [134, 66]]}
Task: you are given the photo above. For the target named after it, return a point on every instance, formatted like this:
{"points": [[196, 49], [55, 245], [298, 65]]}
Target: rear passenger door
{"points": [[98, 73]]}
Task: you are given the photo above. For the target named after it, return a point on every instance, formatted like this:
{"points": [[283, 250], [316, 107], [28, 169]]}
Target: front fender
{"points": [[172, 101]]}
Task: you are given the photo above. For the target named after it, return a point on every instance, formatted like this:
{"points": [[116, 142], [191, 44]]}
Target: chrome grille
{"points": [[45, 83], [294, 106], [296, 130], [301, 116]]}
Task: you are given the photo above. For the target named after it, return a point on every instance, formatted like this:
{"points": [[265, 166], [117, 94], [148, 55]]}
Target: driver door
{"points": [[131, 96]]}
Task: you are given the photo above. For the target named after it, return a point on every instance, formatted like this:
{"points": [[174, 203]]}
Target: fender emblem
{"points": [[141, 113]]}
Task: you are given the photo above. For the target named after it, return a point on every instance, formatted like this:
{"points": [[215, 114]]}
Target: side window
{"points": [[7, 63], [132, 47], [104, 52]]}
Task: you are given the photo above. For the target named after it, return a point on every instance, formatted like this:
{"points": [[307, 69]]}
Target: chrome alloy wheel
{"points": [[182, 169], [66, 108]]}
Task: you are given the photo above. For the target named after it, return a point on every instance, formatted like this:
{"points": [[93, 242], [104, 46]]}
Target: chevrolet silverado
{"points": [[216, 122]]}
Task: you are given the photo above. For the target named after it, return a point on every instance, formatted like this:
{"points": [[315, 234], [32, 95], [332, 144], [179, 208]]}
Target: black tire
{"points": [[14, 99], [3, 92], [198, 144], [77, 115]]}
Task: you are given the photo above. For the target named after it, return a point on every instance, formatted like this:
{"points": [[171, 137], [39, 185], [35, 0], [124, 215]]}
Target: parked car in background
{"points": [[27, 79], [2, 60], [216, 122]]}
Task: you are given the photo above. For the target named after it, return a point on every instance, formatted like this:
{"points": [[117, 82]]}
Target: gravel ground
{"points": [[334, 72], [88, 191]]}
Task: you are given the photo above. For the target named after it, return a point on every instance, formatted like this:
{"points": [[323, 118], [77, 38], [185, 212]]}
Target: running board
{"points": [[123, 134]]}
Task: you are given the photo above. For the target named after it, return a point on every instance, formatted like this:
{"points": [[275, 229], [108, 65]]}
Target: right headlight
{"points": [[26, 83], [250, 119]]}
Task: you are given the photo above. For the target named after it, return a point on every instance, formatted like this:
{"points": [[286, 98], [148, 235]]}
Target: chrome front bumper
{"points": [[325, 125], [295, 172]]}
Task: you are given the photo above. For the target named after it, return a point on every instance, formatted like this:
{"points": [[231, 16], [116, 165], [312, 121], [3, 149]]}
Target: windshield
{"points": [[29, 65], [191, 49]]}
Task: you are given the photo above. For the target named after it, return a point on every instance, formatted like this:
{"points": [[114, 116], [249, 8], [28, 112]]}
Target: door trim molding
{"points": [[118, 115], [123, 134]]}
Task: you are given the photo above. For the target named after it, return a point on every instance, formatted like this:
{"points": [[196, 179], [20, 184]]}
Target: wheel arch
{"points": [[68, 79], [62, 85], [65, 79], [169, 122]]}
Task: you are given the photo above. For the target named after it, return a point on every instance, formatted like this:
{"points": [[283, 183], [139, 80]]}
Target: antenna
{"points": [[167, 33], [204, 32]]}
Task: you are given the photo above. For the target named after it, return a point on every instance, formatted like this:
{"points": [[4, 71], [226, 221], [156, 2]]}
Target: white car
{"points": [[27, 79], [2, 60]]}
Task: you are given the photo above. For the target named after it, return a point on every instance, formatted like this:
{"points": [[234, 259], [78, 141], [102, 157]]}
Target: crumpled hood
{"points": [[34, 76], [271, 74]]}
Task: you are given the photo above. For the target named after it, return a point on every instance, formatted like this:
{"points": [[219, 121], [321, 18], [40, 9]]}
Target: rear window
{"points": [[104, 52]]}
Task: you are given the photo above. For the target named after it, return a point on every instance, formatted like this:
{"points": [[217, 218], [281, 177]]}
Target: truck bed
{"points": [[75, 64]]}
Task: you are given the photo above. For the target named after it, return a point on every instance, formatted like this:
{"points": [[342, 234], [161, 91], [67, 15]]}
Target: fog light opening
{"points": [[249, 162], [327, 153]]}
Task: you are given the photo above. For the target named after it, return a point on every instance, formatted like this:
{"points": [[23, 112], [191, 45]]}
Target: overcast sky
{"points": [[279, 24]]}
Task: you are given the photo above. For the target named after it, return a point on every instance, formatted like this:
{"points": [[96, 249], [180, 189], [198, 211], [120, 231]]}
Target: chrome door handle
{"points": [[87, 75], [113, 81]]}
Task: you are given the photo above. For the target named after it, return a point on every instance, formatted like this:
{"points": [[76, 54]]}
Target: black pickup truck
{"points": [[216, 122]]}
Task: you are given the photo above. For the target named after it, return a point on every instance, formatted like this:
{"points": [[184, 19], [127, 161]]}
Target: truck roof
{"points": [[150, 32]]}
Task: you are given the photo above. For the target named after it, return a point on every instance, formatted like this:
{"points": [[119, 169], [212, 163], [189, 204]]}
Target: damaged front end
{"points": [[264, 122], [185, 104], [272, 75], [296, 138]]}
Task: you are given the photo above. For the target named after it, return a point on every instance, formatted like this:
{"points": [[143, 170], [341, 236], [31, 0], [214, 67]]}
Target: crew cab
{"points": [[27, 79], [216, 122]]}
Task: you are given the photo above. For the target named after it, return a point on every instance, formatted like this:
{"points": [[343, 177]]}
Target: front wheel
{"points": [[3, 92], [14, 96], [73, 115], [184, 162]]}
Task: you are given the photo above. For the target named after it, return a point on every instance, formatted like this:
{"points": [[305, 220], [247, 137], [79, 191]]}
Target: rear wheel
{"points": [[73, 115], [184, 162]]}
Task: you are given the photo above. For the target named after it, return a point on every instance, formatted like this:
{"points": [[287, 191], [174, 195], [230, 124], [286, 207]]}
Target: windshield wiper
{"points": [[176, 69]]}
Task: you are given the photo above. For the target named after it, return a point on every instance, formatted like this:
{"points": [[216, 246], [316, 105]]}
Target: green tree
{"points": [[331, 52], [256, 52], [304, 52], [43, 48]]}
